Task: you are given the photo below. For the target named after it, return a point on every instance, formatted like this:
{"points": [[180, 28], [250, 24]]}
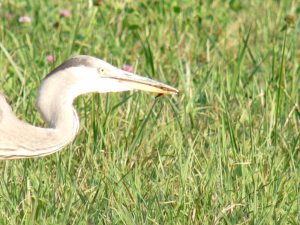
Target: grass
{"points": [[223, 151]]}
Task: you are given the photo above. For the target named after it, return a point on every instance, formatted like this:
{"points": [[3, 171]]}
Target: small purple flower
{"points": [[24, 19], [65, 13], [128, 68], [8, 15], [50, 58]]}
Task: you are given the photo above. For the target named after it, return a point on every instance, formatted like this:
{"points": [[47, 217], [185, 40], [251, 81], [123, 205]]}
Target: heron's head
{"points": [[84, 74]]}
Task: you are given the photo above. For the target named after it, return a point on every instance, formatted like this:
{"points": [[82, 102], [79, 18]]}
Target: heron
{"points": [[79, 75]]}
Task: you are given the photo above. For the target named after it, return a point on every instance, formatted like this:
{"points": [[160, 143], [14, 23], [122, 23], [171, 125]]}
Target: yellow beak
{"points": [[137, 82]]}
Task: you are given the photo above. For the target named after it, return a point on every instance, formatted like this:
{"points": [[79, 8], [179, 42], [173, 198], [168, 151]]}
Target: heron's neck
{"points": [[58, 111]]}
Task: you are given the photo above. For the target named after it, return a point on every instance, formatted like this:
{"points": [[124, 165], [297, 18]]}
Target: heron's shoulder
{"points": [[5, 108], [2, 100]]}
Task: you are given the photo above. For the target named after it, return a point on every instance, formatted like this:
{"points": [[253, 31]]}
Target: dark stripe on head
{"points": [[73, 62]]}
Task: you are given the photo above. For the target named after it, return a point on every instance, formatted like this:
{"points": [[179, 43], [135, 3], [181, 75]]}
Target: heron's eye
{"points": [[101, 70]]}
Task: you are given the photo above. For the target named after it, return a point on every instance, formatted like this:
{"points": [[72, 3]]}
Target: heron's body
{"points": [[79, 75]]}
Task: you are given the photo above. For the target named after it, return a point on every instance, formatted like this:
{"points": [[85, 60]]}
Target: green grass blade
{"points": [[235, 79], [14, 65]]}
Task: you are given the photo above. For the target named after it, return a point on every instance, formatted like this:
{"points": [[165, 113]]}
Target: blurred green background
{"points": [[223, 151]]}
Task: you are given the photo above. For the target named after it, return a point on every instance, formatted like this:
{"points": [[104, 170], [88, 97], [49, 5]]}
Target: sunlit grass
{"points": [[223, 151]]}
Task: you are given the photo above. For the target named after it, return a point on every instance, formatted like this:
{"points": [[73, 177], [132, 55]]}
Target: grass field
{"points": [[223, 151]]}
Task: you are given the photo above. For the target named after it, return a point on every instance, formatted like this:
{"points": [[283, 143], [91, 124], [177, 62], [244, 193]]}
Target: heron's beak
{"points": [[141, 83]]}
